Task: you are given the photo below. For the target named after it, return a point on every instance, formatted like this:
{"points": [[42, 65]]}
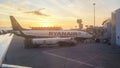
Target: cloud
{"points": [[37, 12], [21, 7]]}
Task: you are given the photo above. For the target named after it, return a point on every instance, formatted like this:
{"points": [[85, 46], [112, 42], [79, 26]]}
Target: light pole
{"points": [[94, 13]]}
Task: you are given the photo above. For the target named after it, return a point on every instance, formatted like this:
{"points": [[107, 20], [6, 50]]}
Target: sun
{"points": [[46, 24]]}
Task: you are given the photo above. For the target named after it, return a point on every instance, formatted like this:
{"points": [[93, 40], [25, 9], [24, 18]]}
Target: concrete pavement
{"points": [[92, 55]]}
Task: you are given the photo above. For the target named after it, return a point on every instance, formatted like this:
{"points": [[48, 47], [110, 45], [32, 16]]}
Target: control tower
{"points": [[79, 21]]}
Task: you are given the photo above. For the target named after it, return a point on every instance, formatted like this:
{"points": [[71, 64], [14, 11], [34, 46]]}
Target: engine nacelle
{"points": [[33, 42]]}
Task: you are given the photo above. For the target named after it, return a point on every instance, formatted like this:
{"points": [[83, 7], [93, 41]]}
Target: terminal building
{"points": [[46, 28], [115, 29], [112, 28]]}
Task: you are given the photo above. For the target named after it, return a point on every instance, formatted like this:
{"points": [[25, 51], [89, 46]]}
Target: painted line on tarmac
{"points": [[70, 59]]}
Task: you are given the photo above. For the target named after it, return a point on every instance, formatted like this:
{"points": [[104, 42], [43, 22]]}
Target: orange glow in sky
{"points": [[46, 24], [62, 13]]}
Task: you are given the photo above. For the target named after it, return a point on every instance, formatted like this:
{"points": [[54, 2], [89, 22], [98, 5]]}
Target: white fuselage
{"points": [[51, 40], [57, 33]]}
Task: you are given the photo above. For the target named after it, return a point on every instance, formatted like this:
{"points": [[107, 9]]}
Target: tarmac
{"points": [[92, 55]]}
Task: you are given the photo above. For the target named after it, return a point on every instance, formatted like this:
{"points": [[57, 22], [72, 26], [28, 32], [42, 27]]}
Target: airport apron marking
{"points": [[69, 59]]}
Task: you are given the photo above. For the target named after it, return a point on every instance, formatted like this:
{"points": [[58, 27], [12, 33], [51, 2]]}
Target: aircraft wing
{"points": [[5, 41]]}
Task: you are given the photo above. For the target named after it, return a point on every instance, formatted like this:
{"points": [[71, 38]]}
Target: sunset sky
{"points": [[61, 13]]}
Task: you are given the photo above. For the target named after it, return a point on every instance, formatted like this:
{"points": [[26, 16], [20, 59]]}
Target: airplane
{"points": [[33, 34], [47, 33], [3, 32]]}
